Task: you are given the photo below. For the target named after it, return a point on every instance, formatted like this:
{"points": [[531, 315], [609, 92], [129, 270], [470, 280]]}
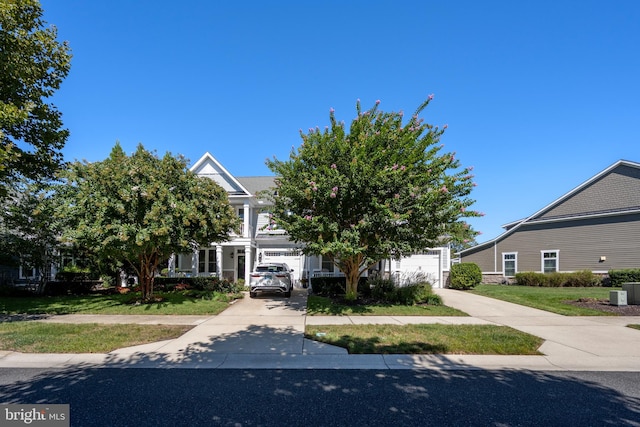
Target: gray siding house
{"points": [[595, 226]]}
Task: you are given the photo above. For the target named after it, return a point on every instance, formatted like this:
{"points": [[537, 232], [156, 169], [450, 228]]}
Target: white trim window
{"points": [[207, 261], [509, 263], [326, 264], [550, 261]]}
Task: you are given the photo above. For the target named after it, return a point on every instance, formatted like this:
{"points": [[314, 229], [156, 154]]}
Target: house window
{"points": [[207, 261], [510, 263], [327, 264], [549, 261]]}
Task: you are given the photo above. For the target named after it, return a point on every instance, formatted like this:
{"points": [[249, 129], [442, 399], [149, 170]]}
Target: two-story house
{"points": [[261, 241]]}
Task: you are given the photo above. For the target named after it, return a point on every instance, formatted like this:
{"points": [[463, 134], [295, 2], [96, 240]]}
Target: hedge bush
{"points": [[384, 290], [618, 277], [465, 275], [584, 278], [213, 284], [332, 286]]}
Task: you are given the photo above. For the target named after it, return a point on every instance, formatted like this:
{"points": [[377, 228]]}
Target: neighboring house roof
{"points": [[598, 203]]}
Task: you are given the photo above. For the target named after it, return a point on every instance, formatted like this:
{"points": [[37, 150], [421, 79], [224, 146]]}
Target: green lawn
{"points": [[549, 299], [172, 303], [39, 337], [426, 339], [322, 306]]}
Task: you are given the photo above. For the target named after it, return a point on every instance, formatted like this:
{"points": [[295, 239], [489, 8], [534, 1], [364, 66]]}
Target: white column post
{"points": [[247, 220], [247, 263], [219, 261]]}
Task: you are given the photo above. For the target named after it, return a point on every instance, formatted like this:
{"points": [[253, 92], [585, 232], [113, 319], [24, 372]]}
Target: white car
{"points": [[271, 277]]}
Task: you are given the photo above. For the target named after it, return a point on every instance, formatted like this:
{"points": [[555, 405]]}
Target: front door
{"points": [[240, 266]]}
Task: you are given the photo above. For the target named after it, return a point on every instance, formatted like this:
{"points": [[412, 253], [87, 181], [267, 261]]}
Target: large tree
{"points": [[140, 209], [33, 64], [30, 230], [382, 189]]}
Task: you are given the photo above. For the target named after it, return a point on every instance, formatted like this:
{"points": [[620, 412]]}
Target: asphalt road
{"points": [[198, 397]]}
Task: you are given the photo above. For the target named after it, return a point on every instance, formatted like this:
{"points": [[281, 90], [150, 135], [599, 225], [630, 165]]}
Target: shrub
{"points": [[618, 277], [202, 283], [382, 289], [417, 293], [465, 275], [582, 278], [328, 286], [556, 280], [529, 278]]}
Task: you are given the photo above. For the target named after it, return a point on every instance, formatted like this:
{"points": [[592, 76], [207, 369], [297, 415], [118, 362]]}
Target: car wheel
{"points": [[252, 294], [288, 293]]}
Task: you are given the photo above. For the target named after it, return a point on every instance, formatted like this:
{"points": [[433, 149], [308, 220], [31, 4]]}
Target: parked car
{"points": [[271, 277]]}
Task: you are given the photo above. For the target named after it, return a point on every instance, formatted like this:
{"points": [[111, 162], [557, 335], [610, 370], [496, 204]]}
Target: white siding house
{"points": [[261, 240]]}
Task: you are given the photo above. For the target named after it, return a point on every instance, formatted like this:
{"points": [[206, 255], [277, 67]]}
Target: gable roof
{"points": [[208, 166], [248, 186], [554, 212]]}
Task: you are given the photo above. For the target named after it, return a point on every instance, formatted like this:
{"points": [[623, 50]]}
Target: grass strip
{"points": [[39, 337], [323, 306], [175, 303], [549, 299], [426, 339]]}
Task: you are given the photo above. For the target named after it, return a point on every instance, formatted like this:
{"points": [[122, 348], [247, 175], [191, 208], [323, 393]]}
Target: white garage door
{"points": [[294, 259], [427, 264]]}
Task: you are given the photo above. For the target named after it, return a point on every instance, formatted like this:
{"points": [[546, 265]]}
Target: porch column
{"points": [[247, 220], [171, 266], [247, 263], [219, 261], [195, 258]]}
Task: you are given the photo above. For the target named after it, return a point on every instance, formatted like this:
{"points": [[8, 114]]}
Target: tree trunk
{"points": [[351, 269], [146, 278]]}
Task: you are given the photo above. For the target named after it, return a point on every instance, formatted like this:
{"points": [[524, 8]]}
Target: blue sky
{"points": [[538, 96]]}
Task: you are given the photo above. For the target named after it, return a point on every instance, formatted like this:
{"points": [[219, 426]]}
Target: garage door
{"points": [[427, 263], [294, 259]]}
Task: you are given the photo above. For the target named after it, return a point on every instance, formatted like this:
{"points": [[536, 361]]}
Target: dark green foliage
{"points": [[76, 286], [210, 284], [332, 286], [418, 293], [466, 275], [379, 289], [382, 289], [618, 277], [379, 188], [33, 65], [584, 278]]}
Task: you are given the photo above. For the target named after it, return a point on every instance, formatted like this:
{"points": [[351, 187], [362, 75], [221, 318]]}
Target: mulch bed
{"points": [[603, 305]]}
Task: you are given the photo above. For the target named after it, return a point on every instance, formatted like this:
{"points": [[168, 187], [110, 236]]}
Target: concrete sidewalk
{"points": [[268, 333]]}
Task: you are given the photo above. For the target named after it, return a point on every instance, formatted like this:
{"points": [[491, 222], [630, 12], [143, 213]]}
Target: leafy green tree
{"points": [[383, 189], [33, 64], [31, 231], [140, 209]]}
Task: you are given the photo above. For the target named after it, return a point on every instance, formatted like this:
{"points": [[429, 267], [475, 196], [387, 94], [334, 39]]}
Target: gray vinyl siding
{"points": [[483, 256], [580, 243], [615, 191]]}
